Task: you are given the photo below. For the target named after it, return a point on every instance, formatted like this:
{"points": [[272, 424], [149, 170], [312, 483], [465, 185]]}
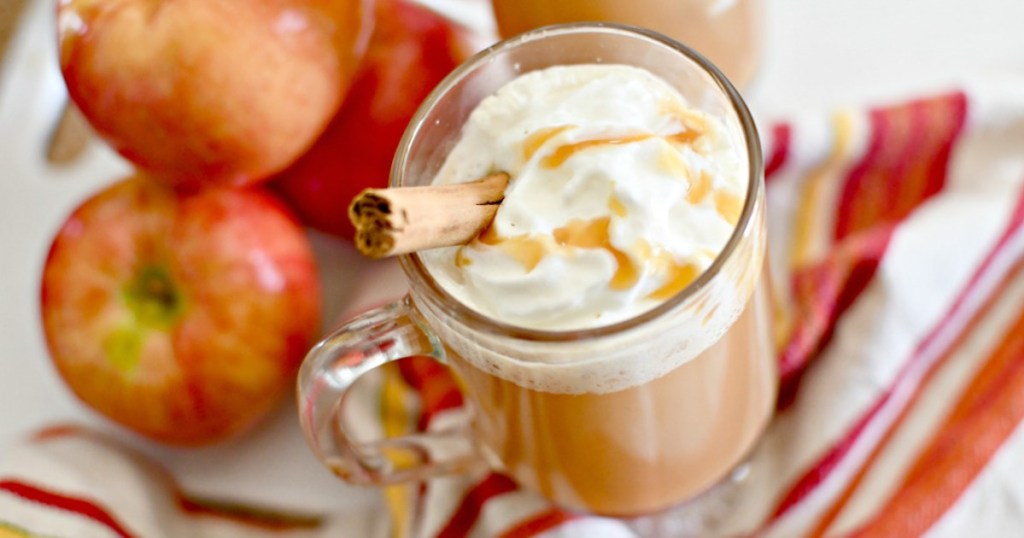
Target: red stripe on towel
{"points": [[472, 504], [75, 505]]}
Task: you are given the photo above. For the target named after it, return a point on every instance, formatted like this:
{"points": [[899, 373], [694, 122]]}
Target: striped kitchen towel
{"points": [[896, 237], [897, 251]]}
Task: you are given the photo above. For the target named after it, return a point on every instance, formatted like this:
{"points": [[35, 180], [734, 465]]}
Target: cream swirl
{"points": [[621, 194]]}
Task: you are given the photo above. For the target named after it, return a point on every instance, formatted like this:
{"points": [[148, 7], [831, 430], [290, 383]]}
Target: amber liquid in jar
{"points": [[728, 32], [640, 450]]}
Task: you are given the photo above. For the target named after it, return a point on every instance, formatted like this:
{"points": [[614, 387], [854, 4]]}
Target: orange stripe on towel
{"points": [[819, 471], [833, 512], [987, 413]]}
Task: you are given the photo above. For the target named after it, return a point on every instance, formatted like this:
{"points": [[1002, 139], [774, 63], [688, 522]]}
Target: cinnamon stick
{"points": [[407, 219]]}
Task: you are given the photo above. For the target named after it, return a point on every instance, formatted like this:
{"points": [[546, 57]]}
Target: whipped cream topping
{"points": [[621, 194]]}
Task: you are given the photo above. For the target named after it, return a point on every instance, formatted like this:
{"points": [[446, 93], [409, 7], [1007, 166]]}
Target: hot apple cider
{"points": [[609, 323], [621, 195]]}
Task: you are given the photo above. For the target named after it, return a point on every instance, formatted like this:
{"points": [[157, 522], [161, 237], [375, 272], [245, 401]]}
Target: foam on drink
{"points": [[621, 194]]}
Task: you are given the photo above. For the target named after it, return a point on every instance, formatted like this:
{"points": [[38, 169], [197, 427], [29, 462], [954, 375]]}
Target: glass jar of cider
{"points": [[727, 32]]}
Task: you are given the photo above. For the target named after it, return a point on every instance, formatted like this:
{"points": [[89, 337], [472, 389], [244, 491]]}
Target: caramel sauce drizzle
{"points": [[538, 138], [678, 277], [670, 161], [616, 206], [460, 258], [594, 234], [564, 152], [729, 206], [686, 137], [694, 122], [699, 189], [530, 249], [527, 249]]}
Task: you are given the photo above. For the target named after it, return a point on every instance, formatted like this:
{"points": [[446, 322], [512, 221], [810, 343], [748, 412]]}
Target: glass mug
{"points": [[728, 32], [673, 399]]}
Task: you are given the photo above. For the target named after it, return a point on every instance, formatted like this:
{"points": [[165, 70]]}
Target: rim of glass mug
{"points": [[421, 278]]}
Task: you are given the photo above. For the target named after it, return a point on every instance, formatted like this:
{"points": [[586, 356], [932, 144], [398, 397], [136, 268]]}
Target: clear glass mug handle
{"points": [[386, 334]]}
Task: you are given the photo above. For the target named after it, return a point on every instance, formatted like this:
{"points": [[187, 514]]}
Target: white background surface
{"points": [[819, 54]]}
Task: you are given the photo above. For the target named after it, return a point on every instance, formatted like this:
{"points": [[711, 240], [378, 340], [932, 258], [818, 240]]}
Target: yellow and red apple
{"points": [[222, 91], [183, 317], [412, 48]]}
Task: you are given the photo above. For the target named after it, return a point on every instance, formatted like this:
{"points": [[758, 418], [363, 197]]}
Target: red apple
{"points": [[411, 50], [227, 91], [181, 316]]}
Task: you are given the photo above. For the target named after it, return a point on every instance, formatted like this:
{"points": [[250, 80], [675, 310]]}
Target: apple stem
{"points": [[153, 297]]}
